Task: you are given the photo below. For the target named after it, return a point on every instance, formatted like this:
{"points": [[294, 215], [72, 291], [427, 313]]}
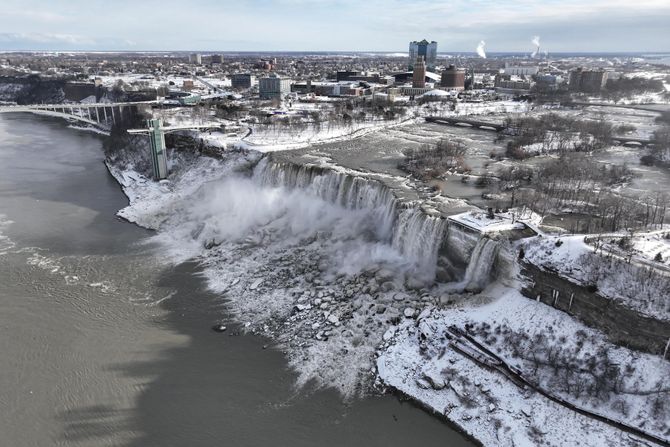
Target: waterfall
{"points": [[342, 189], [412, 232], [418, 237], [478, 273]]}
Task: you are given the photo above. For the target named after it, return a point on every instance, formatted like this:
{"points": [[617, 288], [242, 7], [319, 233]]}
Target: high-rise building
{"points": [[453, 78], [217, 58], [428, 50], [419, 75], [242, 80], [195, 58], [273, 87], [587, 81]]}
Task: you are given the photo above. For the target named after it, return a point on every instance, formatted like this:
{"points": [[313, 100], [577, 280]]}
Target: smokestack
{"points": [[480, 49], [536, 42]]}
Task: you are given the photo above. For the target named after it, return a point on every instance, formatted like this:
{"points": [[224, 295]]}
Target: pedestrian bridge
{"points": [[461, 121], [98, 114]]}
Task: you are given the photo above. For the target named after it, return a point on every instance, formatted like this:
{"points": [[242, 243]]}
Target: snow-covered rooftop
{"points": [[481, 222]]}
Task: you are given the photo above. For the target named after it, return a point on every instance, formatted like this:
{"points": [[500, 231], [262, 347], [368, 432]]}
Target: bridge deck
{"points": [[455, 121], [29, 107]]}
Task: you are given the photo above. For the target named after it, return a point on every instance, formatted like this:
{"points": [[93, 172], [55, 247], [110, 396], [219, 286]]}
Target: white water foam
{"points": [[6, 244], [478, 272]]}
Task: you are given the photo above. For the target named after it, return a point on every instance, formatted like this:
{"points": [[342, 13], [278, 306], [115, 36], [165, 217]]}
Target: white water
{"points": [[238, 210], [6, 243], [411, 232], [418, 237], [478, 273], [347, 191]]}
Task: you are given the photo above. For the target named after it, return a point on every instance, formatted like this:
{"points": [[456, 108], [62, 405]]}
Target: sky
{"points": [[334, 25]]}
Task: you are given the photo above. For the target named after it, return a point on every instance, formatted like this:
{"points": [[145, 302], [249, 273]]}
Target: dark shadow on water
{"points": [[229, 391]]}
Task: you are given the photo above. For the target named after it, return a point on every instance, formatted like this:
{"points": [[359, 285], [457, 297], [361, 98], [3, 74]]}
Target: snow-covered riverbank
{"points": [[419, 360]]}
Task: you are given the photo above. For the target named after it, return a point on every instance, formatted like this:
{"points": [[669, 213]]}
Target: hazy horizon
{"points": [[344, 52], [612, 26]]}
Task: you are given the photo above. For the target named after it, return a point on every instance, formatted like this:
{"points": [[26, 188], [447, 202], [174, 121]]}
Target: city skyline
{"points": [[330, 25]]}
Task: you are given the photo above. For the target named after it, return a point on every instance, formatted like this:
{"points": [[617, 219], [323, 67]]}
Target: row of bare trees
{"points": [[587, 189], [559, 133], [659, 153], [433, 160]]}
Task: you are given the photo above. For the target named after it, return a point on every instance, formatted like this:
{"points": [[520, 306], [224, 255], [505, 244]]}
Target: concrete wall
{"points": [[622, 325]]}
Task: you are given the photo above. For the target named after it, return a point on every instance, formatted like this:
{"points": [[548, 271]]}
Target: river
{"points": [[102, 344]]}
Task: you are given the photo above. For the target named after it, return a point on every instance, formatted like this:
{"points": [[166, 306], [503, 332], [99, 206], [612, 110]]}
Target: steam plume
{"points": [[536, 42], [480, 49]]}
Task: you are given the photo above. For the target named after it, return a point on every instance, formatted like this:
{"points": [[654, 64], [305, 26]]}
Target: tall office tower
{"points": [[426, 49]]}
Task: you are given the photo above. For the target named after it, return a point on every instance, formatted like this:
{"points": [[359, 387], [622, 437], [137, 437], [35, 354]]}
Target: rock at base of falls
{"points": [[434, 379], [384, 275], [387, 286], [473, 287], [211, 243], [414, 283], [254, 285]]}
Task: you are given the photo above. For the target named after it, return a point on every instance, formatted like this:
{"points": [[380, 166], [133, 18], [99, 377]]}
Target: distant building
{"points": [[512, 84], [217, 58], [453, 78], [419, 75], [273, 87], [547, 82], [266, 64], [521, 70], [346, 75], [428, 50], [242, 80], [412, 91], [587, 81], [370, 77], [328, 88], [195, 58], [190, 100]]}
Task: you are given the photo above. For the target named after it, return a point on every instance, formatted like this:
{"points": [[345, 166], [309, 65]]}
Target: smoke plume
{"points": [[480, 49]]}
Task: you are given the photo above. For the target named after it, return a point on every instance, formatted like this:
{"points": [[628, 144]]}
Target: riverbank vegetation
{"points": [[558, 133], [431, 161]]}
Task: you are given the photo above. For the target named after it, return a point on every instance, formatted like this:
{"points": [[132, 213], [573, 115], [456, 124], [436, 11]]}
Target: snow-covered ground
{"points": [[491, 108], [420, 361], [277, 137], [479, 221], [271, 139], [140, 80], [652, 246], [614, 275]]}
